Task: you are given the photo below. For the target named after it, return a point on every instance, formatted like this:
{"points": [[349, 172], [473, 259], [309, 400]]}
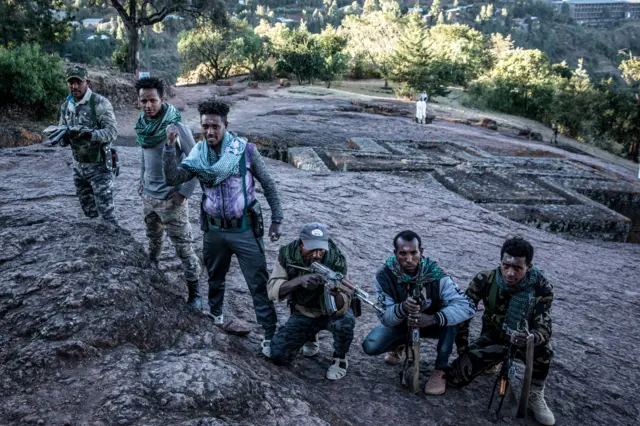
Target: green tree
{"points": [[137, 15], [297, 52], [435, 9], [631, 70], [253, 52], [335, 61], [463, 48], [413, 66], [30, 78], [370, 6], [217, 48], [372, 37], [520, 83], [34, 21]]}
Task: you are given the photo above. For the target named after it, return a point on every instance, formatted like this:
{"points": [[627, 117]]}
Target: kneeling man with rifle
{"points": [[419, 300], [319, 300], [517, 316]]}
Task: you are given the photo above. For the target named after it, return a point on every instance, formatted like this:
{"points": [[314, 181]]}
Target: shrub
{"points": [[32, 79]]}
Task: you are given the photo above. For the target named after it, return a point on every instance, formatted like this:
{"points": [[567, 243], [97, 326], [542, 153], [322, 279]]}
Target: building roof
{"points": [[601, 1]]}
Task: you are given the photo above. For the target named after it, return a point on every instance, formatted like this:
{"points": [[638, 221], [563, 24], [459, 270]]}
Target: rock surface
{"points": [[92, 334]]}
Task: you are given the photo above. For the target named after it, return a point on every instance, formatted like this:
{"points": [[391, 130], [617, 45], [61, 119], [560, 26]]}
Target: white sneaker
{"points": [[338, 369], [266, 348], [538, 405], [218, 320], [310, 348]]}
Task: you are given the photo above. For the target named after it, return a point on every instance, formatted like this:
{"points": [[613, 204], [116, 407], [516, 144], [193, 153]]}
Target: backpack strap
{"points": [[92, 105], [243, 174]]}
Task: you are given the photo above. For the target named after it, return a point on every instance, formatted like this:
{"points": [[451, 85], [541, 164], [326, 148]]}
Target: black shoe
{"points": [[194, 300]]}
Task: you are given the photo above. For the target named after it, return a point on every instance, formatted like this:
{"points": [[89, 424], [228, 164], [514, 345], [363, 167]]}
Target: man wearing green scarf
{"points": [[507, 292], [441, 307], [165, 206], [305, 293], [228, 168]]}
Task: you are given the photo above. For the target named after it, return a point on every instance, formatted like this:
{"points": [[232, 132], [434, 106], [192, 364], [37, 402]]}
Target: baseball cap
{"points": [[77, 71], [314, 236]]}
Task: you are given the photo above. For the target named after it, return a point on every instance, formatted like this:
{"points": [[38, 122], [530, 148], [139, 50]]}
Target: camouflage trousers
{"points": [[161, 215], [300, 329], [484, 353], [94, 187]]}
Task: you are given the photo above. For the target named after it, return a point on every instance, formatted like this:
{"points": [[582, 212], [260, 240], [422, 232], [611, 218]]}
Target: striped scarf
{"points": [[152, 132], [521, 295], [212, 169]]}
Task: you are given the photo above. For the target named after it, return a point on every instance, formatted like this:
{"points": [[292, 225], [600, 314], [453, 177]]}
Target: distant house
{"points": [[519, 24], [173, 17], [58, 15], [285, 20], [92, 23], [75, 24], [102, 37], [416, 9], [600, 11]]}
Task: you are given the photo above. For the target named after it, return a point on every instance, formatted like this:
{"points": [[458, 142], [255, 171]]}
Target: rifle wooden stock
{"points": [[526, 380]]}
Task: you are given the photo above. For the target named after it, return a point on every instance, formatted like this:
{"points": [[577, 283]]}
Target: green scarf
{"points": [[292, 255], [428, 271], [152, 132], [521, 295]]}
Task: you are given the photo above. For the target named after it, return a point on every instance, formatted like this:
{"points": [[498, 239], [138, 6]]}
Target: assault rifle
{"points": [[508, 371], [410, 376], [57, 134], [335, 280]]}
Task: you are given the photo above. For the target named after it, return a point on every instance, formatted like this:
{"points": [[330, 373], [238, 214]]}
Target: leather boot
{"points": [[194, 299]]}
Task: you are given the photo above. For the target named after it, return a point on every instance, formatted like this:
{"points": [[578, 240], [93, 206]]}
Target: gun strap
{"points": [[243, 174], [92, 105]]}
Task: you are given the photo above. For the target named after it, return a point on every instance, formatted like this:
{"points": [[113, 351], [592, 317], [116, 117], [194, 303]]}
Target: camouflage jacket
{"points": [[79, 114], [480, 290]]}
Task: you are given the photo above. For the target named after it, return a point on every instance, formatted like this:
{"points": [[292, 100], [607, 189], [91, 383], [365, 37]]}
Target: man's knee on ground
{"points": [[278, 355], [370, 346], [346, 321]]}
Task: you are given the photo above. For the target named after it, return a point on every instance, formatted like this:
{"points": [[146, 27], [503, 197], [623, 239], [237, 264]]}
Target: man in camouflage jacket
{"points": [[94, 129], [507, 292]]}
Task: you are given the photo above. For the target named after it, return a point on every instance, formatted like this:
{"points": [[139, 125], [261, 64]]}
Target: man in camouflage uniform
{"points": [[305, 293], [507, 292], [95, 129], [165, 206]]}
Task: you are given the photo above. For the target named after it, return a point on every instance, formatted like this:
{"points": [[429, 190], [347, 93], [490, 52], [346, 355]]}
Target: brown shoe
{"points": [[437, 383], [494, 370], [395, 357]]}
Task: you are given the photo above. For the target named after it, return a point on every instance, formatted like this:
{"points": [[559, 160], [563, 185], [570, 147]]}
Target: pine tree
{"points": [[441, 20], [436, 8], [414, 67], [370, 6]]}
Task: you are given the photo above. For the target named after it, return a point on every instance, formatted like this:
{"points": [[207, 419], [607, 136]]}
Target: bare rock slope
{"points": [[91, 334]]}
